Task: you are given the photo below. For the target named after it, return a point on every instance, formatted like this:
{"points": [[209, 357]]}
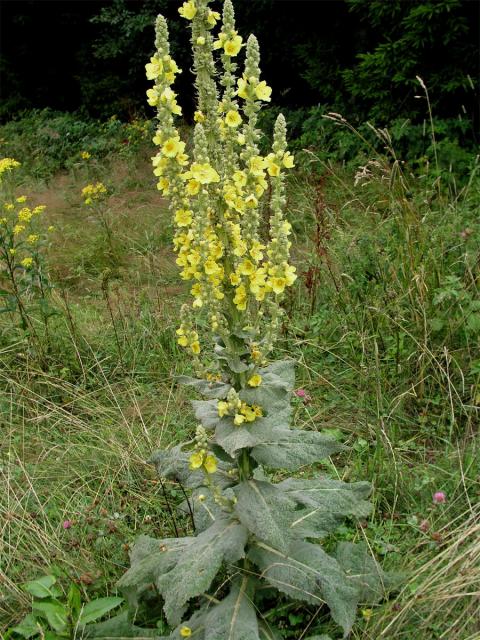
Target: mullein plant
{"points": [[252, 533]]}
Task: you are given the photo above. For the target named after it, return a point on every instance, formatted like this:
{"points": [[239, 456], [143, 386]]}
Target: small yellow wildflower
{"points": [[204, 173], [85, 155], [192, 187], [24, 215], [183, 217], [233, 118], [199, 116], [7, 164], [51, 228], [18, 228], [195, 347], [222, 408], [32, 238], [271, 165], [26, 262], [41, 208], [233, 46], [172, 146], [263, 91], [210, 464], [196, 460], [188, 10], [238, 419], [255, 380], [22, 199], [8, 206], [288, 160], [201, 41], [154, 68], [213, 17]]}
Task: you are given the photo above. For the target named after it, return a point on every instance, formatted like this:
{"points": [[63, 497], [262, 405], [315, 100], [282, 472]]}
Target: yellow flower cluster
{"points": [[7, 165], [187, 337], [238, 409], [17, 232], [201, 458], [94, 193], [217, 195]]}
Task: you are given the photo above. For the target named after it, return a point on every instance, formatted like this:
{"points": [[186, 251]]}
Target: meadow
{"points": [[383, 323]]}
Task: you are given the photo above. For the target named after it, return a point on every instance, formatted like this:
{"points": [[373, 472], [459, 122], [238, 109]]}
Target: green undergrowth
{"points": [[384, 323]]}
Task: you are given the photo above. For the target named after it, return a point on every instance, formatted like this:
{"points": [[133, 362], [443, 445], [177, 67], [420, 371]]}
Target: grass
{"points": [[383, 323]]}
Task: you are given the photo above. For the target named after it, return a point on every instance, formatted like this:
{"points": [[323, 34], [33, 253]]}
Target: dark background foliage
{"points": [[359, 57]]}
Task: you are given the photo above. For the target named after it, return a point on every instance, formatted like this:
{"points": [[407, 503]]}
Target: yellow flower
{"points": [[26, 262], [235, 279], [204, 173], [222, 408], [263, 91], [8, 206], [192, 187], [210, 464], [238, 419], [183, 217], [188, 10], [271, 165], [255, 380], [154, 68], [7, 164], [242, 91], [247, 268], [41, 208], [241, 139], [257, 165], [278, 285], [233, 118], [172, 146], [200, 40], [85, 155], [51, 228], [212, 18], [196, 460], [195, 347], [24, 215], [233, 46], [18, 228], [22, 199], [152, 97], [183, 341], [198, 116], [32, 238], [288, 160]]}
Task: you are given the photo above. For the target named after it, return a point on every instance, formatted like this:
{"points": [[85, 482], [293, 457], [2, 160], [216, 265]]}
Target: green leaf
{"points": [[28, 627], [41, 588], [363, 570], [54, 612], [199, 563], [172, 464], [196, 623], [150, 558], [208, 389], [234, 618], [274, 393], [294, 448], [98, 608], [74, 600], [232, 438], [206, 412], [266, 511], [308, 573], [119, 627], [330, 496]]}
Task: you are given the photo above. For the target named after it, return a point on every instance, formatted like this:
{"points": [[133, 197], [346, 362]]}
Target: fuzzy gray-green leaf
{"points": [[206, 412], [266, 511], [199, 563], [208, 389], [234, 618], [293, 448], [362, 568], [324, 503], [308, 573], [150, 558], [232, 438]]}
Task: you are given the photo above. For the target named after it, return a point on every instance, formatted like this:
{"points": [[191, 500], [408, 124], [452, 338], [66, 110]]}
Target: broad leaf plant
{"points": [[252, 533]]}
